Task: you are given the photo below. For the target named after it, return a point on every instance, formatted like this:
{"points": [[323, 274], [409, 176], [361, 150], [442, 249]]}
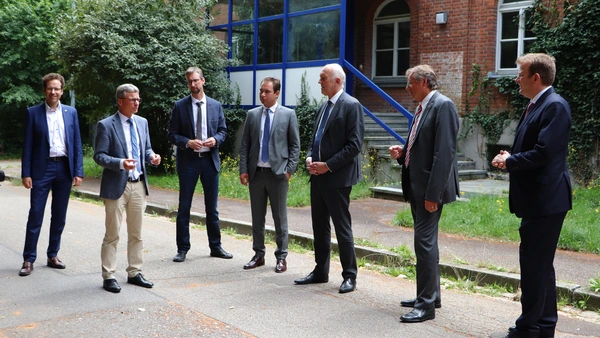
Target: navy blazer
{"points": [[341, 143], [181, 129], [36, 144], [284, 142], [540, 184], [433, 165], [111, 148]]}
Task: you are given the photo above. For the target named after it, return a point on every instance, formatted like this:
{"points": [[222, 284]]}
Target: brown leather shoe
{"points": [[26, 269], [281, 266], [255, 262], [55, 262]]}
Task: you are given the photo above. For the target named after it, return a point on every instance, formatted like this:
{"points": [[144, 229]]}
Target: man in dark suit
{"points": [[197, 128], [268, 158], [122, 149], [429, 180], [52, 160], [540, 191], [335, 167]]}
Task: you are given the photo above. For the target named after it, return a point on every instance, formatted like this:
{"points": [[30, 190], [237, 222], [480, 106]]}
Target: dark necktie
{"points": [[411, 138], [264, 156], [135, 149], [316, 153], [528, 108], [199, 121]]}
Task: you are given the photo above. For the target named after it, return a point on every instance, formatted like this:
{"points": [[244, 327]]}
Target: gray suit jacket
{"points": [[433, 166], [284, 142], [341, 143], [111, 148]]}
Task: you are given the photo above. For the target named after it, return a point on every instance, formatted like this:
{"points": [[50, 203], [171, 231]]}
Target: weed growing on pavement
{"points": [[491, 267], [595, 284], [581, 303], [467, 285]]}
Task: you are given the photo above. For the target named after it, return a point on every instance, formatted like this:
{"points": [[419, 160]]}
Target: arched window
{"points": [[514, 37], [391, 39]]}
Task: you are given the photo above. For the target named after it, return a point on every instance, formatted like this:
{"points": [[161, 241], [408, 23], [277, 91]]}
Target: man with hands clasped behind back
{"points": [[268, 157], [122, 148]]}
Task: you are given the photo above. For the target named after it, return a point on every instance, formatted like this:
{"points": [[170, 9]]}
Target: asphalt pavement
{"points": [[212, 297]]}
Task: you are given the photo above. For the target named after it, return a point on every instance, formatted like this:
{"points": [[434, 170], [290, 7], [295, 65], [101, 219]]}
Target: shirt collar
{"points": [[272, 108], [58, 107], [537, 97], [427, 99], [195, 100], [336, 97]]}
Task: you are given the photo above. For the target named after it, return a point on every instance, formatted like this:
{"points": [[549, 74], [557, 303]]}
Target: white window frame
{"points": [[395, 20], [520, 7]]}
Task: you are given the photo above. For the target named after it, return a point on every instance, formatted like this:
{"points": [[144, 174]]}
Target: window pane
{"points": [[300, 5], [270, 7], [385, 66], [270, 41], [510, 25], [403, 61], [508, 54], [243, 10], [242, 45], [314, 36], [403, 34], [385, 36], [528, 30], [527, 45], [394, 8]]}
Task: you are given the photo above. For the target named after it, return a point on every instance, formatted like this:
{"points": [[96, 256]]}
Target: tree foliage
{"points": [[26, 36], [149, 43], [575, 43]]}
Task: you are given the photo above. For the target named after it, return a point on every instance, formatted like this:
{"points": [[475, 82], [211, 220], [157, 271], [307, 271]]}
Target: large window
{"points": [[314, 36], [391, 39], [514, 37]]}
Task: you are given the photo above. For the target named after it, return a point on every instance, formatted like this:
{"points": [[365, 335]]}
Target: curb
{"points": [[574, 292]]}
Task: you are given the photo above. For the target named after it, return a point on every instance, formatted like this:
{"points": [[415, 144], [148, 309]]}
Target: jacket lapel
{"points": [[118, 128]]}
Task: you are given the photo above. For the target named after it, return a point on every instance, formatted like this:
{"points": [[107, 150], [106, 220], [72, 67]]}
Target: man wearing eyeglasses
{"points": [[122, 149], [540, 191], [197, 127], [52, 160]]}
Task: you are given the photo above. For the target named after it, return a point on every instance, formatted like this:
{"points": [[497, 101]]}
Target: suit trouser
{"points": [[428, 255], [203, 168], [326, 202], [133, 201], [58, 179], [539, 238], [265, 185]]}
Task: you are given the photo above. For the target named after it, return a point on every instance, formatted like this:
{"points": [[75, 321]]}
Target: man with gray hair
{"points": [[122, 148], [429, 180], [334, 167]]}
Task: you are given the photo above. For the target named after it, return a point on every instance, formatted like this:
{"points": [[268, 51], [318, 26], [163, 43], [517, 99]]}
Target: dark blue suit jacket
{"points": [[540, 184], [36, 145], [181, 129]]}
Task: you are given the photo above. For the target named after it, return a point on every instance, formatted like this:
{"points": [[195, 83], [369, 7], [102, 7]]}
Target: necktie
{"points": [[411, 138], [199, 121], [135, 149], [264, 156], [316, 153], [528, 108]]}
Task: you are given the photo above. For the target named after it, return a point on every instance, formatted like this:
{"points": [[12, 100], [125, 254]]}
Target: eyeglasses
{"points": [[520, 76], [194, 81], [134, 100]]}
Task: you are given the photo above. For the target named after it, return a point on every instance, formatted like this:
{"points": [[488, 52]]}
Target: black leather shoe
{"points": [[418, 315], [311, 279], [55, 262], [139, 280], [220, 253], [281, 266], [348, 285], [111, 285], [255, 262], [411, 303], [26, 269], [180, 257]]}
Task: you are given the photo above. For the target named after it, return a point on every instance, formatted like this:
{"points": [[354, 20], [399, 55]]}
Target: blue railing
{"points": [[385, 96]]}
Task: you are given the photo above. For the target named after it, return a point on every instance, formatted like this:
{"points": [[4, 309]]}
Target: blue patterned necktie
{"points": [[264, 156], [135, 149], [316, 151]]}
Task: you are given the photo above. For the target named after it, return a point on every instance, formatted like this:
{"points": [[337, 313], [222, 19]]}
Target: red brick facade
{"points": [[469, 37]]}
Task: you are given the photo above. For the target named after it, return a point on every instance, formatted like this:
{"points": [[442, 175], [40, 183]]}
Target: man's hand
{"points": [[27, 182], [210, 142], [317, 168], [77, 181], [431, 206], [194, 144], [395, 152], [129, 164], [244, 179], [155, 159], [499, 160]]}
